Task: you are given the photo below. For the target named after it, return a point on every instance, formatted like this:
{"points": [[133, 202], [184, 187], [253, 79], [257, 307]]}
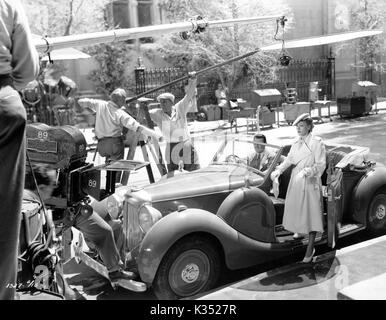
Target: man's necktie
{"points": [[258, 161]]}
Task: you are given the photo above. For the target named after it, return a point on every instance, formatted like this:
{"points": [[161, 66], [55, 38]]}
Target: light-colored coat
{"points": [[303, 203]]}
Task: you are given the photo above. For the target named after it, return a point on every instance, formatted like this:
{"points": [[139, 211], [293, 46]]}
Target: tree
{"points": [[64, 17], [366, 15], [218, 45], [113, 61], [370, 15]]}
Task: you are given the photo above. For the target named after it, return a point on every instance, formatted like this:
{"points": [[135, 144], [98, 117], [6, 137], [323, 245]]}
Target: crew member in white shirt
{"points": [[172, 121], [109, 123]]}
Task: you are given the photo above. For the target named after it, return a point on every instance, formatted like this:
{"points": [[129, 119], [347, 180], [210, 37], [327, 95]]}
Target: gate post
{"points": [[331, 75], [140, 78]]}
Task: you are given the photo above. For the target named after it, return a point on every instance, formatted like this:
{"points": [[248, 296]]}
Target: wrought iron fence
{"points": [[147, 79], [298, 75]]}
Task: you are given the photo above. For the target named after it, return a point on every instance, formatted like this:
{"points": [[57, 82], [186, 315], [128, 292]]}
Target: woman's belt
{"points": [[5, 80]]}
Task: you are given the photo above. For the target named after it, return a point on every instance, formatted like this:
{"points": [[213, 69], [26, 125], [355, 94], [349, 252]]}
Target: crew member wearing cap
{"points": [[172, 121], [303, 211], [109, 123]]}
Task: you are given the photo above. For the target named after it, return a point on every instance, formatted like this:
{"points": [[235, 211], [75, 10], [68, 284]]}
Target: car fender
{"points": [[175, 226], [251, 212], [364, 192]]}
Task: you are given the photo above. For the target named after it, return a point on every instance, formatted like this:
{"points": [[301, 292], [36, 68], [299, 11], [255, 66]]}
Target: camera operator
{"points": [[45, 180], [100, 233]]}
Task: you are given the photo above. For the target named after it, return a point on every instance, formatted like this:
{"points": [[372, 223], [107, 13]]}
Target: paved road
{"points": [[365, 131]]}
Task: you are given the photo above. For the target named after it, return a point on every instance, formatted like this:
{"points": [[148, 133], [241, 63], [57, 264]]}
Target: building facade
{"points": [[311, 19], [322, 17]]}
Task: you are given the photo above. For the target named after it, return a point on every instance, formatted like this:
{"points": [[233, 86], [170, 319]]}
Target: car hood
{"points": [[213, 179]]}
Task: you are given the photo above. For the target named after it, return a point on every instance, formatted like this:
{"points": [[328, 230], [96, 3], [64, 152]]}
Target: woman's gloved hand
{"points": [[275, 175], [306, 172]]}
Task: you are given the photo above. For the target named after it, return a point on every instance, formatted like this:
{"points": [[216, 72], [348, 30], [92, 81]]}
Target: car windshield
{"points": [[256, 156]]}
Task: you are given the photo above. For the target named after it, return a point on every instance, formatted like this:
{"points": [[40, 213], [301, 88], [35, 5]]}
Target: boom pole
{"points": [[199, 24]]}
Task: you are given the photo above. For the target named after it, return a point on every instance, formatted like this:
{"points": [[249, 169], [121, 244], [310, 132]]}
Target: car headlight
{"points": [[114, 205], [148, 216]]}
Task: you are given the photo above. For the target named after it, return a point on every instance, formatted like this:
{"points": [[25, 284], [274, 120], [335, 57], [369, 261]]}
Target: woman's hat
{"points": [[166, 96], [302, 117]]}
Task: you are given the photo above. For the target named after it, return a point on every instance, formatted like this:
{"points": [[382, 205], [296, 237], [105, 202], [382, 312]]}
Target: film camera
{"points": [[65, 150]]}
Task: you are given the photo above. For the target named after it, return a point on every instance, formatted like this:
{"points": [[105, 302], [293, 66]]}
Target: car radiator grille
{"points": [[133, 233]]}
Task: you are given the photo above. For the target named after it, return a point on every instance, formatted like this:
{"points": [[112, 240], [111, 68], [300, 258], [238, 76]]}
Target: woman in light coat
{"points": [[303, 204]]}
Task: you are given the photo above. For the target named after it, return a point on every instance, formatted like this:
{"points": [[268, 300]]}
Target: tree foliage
{"points": [[217, 45], [113, 65], [64, 17], [370, 14], [366, 15]]}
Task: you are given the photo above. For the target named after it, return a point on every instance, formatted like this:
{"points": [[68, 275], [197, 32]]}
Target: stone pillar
{"points": [[133, 13], [156, 12], [133, 18]]}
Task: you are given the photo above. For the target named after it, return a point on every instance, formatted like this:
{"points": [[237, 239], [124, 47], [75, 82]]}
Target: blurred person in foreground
{"points": [[19, 64]]}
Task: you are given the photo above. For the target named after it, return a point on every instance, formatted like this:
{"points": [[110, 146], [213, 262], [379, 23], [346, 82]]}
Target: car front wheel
{"points": [[376, 217], [191, 266]]}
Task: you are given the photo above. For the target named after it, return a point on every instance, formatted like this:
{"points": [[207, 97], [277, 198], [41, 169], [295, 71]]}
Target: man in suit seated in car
{"points": [[262, 157]]}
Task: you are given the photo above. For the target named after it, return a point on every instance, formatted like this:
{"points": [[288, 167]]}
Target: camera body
{"points": [[65, 150]]}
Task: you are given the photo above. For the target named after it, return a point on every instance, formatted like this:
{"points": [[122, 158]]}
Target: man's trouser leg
{"points": [[182, 151], [190, 157], [113, 149], [12, 170], [97, 231], [171, 158], [119, 237]]}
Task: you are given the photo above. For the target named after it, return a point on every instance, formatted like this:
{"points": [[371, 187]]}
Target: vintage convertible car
{"points": [[182, 231]]}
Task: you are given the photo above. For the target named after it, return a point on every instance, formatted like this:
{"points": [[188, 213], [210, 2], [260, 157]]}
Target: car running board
{"points": [[344, 230], [347, 229], [81, 256]]}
